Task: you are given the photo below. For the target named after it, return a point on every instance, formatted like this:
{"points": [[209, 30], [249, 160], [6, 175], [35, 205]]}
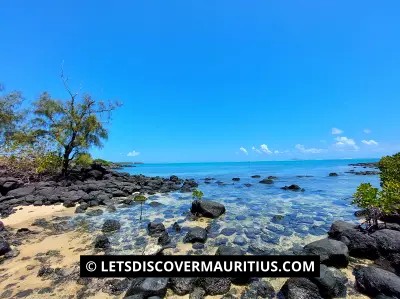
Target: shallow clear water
{"points": [[249, 221]]}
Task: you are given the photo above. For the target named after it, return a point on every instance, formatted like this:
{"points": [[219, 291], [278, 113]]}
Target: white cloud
{"points": [[336, 131], [311, 150], [367, 131], [370, 142], [256, 150], [276, 152], [133, 154], [243, 150], [344, 143], [265, 149]]}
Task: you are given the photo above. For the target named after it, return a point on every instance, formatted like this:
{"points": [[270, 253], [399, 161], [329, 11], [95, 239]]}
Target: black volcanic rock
{"points": [[207, 208]]}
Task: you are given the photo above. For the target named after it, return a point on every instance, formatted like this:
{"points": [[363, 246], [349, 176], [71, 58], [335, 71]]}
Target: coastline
{"points": [[42, 236]]}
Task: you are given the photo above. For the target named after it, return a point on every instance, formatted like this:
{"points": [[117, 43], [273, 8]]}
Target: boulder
{"points": [[339, 227], [207, 208], [256, 176], [155, 229], [23, 191], [101, 242], [1, 226], [236, 179], [152, 248], [164, 239], [374, 281], [332, 252], [95, 212], [198, 293], [300, 288], [147, 287], [333, 174], [8, 184], [182, 285], [293, 187], [195, 234], [258, 289], [188, 186], [110, 225], [360, 244], [176, 227], [266, 181], [388, 241], [331, 282], [229, 250], [4, 247], [214, 285]]}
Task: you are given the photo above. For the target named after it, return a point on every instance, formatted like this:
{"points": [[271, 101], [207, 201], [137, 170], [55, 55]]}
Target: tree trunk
{"points": [[65, 163]]}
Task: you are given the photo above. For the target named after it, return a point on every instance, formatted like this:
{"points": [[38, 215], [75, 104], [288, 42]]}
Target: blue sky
{"points": [[218, 80]]}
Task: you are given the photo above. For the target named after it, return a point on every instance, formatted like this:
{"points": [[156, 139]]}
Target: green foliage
{"points": [[366, 196], [83, 159], [48, 163], [387, 199], [10, 114], [102, 162], [74, 125], [390, 197], [390, 168], [197, 194], [140, 198]]}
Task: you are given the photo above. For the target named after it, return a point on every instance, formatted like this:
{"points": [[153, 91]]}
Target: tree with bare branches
{"points": [[75, 124]]}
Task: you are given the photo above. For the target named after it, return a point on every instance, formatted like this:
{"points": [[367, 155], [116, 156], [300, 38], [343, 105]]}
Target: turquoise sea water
{"points": [[259, 218]]}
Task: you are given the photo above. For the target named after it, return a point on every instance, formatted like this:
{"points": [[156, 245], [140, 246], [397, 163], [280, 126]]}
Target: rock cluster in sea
{"points": [[88, 187]]}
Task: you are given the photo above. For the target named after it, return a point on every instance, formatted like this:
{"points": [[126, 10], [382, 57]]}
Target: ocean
{"points": [[261, 218]]}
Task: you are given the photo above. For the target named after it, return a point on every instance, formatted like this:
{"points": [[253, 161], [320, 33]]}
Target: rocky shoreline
{"points": [[101, 187], [94, 186]]}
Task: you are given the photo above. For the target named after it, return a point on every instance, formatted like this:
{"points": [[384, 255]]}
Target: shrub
{"points": [[385, 201], [84, 160], [197, 194]]}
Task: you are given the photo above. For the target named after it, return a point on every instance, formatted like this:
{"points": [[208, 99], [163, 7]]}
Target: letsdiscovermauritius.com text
{"points": [[205, 266], [199, 266]]}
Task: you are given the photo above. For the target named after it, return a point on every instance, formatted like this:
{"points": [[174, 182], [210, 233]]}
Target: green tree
{"points": [[75, 124], [10, 114]]}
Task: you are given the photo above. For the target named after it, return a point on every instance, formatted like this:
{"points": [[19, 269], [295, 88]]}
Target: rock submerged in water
{"points": [[236, 179], [333, 174], [101, 242], [256, 176], [196, 234], [110, 225], [266, 181], [332, 252], [229, 250], [207, 208], [156, 229], [292, 187]]}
